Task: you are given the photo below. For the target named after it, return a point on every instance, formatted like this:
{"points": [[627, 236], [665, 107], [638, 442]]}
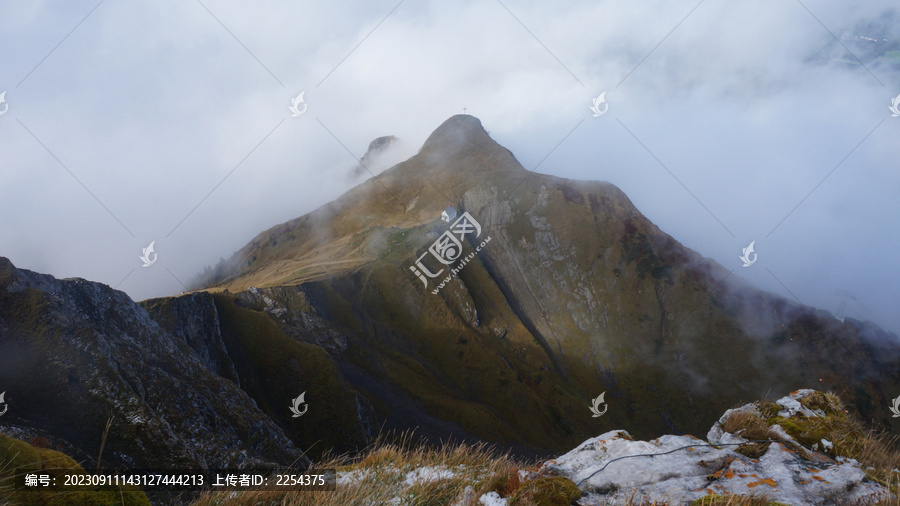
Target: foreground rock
{"points": [[614, 468]]}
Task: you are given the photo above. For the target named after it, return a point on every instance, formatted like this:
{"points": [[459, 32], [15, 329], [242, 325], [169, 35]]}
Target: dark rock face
{"points": [[75, 354], [274, 365], [194, 319], [376, 147], [370, 161]]}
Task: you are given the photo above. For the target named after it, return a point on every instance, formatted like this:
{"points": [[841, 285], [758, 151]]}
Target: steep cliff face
{"points": [[243, 342], [193, 318], [576, 293], [76, 354]]}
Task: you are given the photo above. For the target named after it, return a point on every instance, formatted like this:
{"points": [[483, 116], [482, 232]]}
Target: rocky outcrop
{"points": [[291, 308], [75, 355], [371, 161], [613, 467]]}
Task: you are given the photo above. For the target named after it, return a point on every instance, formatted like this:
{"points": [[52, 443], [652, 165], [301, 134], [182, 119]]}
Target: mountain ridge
{"points": [[575, 273]]}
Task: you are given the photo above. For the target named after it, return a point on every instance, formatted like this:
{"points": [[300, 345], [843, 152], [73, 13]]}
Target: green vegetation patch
{"points": [[16, 455]]}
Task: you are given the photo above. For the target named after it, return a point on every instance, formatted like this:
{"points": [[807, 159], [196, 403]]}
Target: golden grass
{"points": [[879, 451], [733, 500], [748, 425], [380, 475], [752, 426]]}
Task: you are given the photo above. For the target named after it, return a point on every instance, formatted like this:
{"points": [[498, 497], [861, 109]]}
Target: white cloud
{"points": [[152, 104]]}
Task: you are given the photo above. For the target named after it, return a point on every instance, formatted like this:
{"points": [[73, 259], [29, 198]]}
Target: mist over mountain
{"points": [[455, 294], [597, 296], [179, 136]]}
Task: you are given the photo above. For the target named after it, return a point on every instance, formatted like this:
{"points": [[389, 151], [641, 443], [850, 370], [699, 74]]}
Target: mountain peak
{"points": [[378, 145], [455, 132], [373, 159]]}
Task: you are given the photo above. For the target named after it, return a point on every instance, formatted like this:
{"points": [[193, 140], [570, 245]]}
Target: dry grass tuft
{"points": [[386, 472], [733, 500], [829, 403], [748, 425], [752, 426]]}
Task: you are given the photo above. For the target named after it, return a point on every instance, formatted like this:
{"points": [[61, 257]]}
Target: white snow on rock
{"points": [[613, 468], [492, 499], [426, 474]]}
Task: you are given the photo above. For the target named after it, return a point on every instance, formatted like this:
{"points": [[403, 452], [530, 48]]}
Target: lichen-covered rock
{"points": [[681, 469]]}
